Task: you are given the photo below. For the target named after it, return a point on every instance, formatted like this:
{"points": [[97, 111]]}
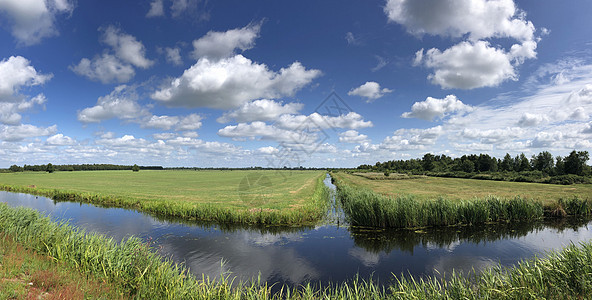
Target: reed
{"points": [[133, 266], [364, 207]]}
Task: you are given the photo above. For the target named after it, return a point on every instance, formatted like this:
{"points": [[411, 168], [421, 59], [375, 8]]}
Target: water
{"points": [[327, 253]]}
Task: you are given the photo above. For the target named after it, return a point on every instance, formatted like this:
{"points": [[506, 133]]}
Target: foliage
{"points": [[136, 168]]}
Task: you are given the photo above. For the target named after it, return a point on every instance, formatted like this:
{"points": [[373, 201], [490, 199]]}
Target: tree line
{"points": [[84, 167], [541, 165]]}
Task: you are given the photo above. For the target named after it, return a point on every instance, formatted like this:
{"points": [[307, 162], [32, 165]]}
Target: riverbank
{"points": [[365, 207], [135, 268], [289, 198]]}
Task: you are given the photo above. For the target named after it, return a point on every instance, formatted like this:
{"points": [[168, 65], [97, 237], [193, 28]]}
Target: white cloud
{"points": [[473, 63], [10, 111], [436, 108], [260, 110], [370, 90], [33, 20], [173, 55], [161, 122], [126, 47], [119, 66], [352, 136], [351, 120], [493, 136], [190, 122], [351, 39], [530, 120], [216, 45], [15, 73], [588, 128], [60, 140], [120, 103], [179, 7], [156, 9], [267, 150], [469, 65], [24, 131], [106, 69], [231, 82], [412, 139], [455, 18]]}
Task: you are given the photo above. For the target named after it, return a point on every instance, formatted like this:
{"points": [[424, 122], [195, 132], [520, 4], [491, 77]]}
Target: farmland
{"points": [[269, 197]]}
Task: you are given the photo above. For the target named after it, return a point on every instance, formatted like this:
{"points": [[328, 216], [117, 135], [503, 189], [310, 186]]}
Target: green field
{"points": [[279, 197], [429, 188]]}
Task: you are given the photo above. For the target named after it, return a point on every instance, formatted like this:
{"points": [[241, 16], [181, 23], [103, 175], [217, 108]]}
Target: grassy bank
{"points": [[243, 197], [132, 267], [25, 274], [456, 189], [364, 207]]}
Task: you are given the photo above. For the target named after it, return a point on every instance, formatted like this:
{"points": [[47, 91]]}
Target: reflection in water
{"points": [[327, 253], [385, 240]]}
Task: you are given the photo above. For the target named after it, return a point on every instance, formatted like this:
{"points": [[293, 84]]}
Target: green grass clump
{"points": [[134, 268], [364, 207], [293, 199]]}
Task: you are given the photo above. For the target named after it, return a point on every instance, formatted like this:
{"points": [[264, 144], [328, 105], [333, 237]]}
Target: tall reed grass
{"points": [[133, 265], [364, 207], [308, 214]]}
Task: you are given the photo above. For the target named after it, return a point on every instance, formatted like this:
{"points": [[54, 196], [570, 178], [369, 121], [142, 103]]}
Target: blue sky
{"points": [[256, 83]]}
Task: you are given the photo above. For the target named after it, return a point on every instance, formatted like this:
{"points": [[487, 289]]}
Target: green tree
{"points": [[15, 168], [507, 163], [543, 162], [575, 163], [428, 162], [50, 168], [136, 168]]}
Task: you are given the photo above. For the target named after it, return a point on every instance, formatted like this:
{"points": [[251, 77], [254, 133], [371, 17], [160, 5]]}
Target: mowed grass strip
{"points": [[454, 189], [266, 197]]}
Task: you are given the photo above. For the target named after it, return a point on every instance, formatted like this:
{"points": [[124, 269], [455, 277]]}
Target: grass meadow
{"points": [[263, 197], [430, 188]]}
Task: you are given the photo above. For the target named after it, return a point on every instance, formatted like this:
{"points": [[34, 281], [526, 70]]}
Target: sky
{"points": [[291, 83]]}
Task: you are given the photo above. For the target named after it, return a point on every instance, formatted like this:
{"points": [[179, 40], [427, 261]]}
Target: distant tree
{"points": [[543, 162], [559, 166], [467, 166], [136, 168], [575, 163], [428, 162], [50, 168], [507, 163], [387, 173], [521, 163], [15, 168]]}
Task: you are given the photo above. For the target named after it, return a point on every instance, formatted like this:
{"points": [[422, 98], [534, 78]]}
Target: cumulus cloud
{"points": [[173, 55], [352, 136], [351, 120], [479, 19], [529, 120], [24, 131], [156, 9], [34, 20], [412, 139], [260, 110], [126, 47], [492, 136], [231, 82], [60, 140], [16, 72], [190, 122], [468, 65], [473, 63], [216, 45], [436, 108], [120, 103], [161, 122], [117, 65], [370, 90], [105, 68]]}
